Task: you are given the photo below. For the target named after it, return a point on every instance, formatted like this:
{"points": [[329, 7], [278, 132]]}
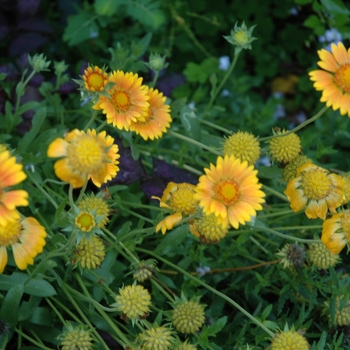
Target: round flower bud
{"points": [[188, 316], [290, 170], [320, 257], [290, 340], [284, 148]]}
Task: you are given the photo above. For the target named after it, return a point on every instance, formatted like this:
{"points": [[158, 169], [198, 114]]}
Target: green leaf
{"points": [[213, 80], [27, 106], [303, 2], [10, 305], [314, 23], [34, 286], [217, 326], [190, 123], [41, 316], [336, 7], [38, 120], [2, 76], [172, 239], [107, 7], [176, 106], [139, 48], [195, 73], [80, 28]]}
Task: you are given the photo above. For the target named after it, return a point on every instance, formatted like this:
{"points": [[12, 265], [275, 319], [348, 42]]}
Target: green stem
{"points": [[296, 239], [278, 213], [83, 316], [316, 227], [214, 126], [259, 245], [53, 307], [274, 192], [129, 252], [153, 84], [223, 81], [213, 290], [297, 128], [32, 340], [199, 144], [92, 119], [101, 126], [40, 188], [103, 314], [21, 91]]}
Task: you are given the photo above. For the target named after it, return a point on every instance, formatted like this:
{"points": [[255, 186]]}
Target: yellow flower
{"points": [[289, 340], [208, 229], [336, 232], [98, 206], [179, 198], [157, 119], [156, 338], [133, 301], [11, 174], [346, 190], [90, 253], [242, 145], [188, 316], [95, 79], [86, 155], [27, 239], [231, 191], [321, 258], [334, 79], [284, 148], [316, 189], [290, 170], [127, 101], [76, 339]]}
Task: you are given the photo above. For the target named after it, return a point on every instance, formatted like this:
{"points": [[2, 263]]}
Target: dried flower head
{"points": [[292, 255]]}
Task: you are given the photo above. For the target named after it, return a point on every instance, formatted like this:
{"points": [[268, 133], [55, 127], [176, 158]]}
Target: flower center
{"points": [[85, 221], [241, 37], [86, 154], [342, 77], [10, 233], [316, 184], [121, 100], [95, 81], [227, 192], [182, 201]]}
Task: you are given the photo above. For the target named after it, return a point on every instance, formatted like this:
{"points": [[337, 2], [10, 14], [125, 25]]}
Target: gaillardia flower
{"points": [[334, 79], [231, 191], [95, 79], [133, 301], [179, 198], [289, 340], [27, 239], [157, 119], [76, 338], [316, 189], [284, 148], [11, 174], [242, 145], [127, 101], [98, 206], [336, 232], [86, 156]]}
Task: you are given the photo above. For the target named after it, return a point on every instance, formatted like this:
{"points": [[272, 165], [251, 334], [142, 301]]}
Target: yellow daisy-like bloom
{"points": [[86, 156], [127, 101], [157, 120], [133, 301], [90, 253], [334, 79], [100, 208], [11, 174], [95, 79], [336, 232], [76, 339], [242, 145], [85, 221], [321, 258], [284, 148], [157, 338], [27, 239], [231, 191], [180, 199], [289, 340], [208, 229], [346, 189], [188, 316], [290, 170], [316, 189]]}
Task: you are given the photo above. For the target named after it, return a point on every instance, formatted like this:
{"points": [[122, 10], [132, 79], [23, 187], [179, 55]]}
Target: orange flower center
{"points": [[342, 77], [85, 221], [316, 184], [95, 81], [227, 192], [86, 154], [121, 100], [10, 233]]}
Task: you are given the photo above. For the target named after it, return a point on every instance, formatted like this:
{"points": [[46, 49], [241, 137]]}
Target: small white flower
{"points": [[224, 62]]}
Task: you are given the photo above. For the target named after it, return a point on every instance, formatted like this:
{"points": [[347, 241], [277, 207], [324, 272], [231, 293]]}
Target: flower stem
{"points": [[92, 119], [274, 192], [223, 296], [202, 145]]}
